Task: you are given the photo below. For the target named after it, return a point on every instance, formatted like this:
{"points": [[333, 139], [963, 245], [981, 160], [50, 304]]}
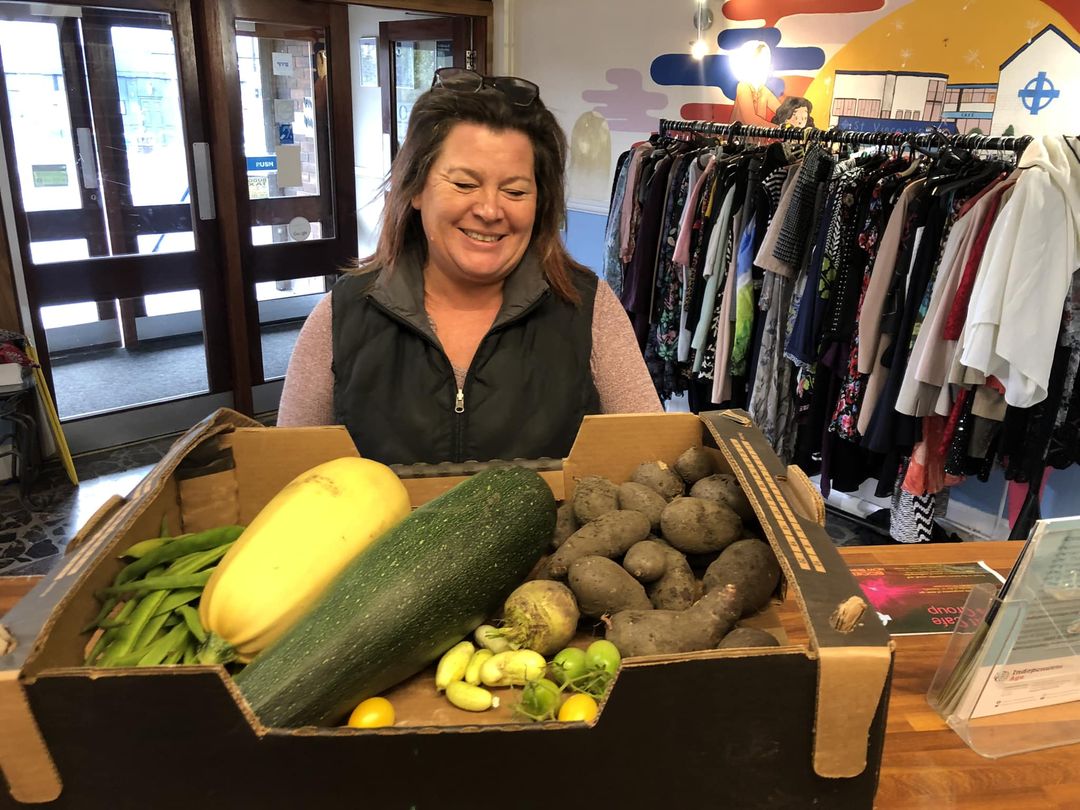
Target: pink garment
{"points": [[689, 215], [626, 241], [618, 368]]}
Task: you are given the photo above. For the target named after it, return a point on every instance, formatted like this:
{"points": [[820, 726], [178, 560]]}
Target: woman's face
{"points": [[799, 117], [478, 204]]}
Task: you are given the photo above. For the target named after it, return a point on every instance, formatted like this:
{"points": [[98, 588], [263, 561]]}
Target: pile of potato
{"points": [[631, 553]]}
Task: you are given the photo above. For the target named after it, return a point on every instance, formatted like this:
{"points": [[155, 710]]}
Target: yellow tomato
{"points": [[578, 708], [374, 712]]}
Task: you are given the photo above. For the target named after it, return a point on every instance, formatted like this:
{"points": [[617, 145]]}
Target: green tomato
{"points": [[603, 655], [568, 665], [539, 699]]}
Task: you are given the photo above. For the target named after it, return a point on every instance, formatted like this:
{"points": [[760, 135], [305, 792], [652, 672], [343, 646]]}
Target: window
{"points": [[936, 90], [967, 95], [868, 108], [952, 96], [843, 106], [991, 96]]}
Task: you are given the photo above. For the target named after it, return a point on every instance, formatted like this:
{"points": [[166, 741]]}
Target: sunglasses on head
{"points": [[520, 92]]}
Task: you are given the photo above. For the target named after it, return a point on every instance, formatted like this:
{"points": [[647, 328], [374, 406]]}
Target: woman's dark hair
{"points": [[788, 107], [433, 116]]}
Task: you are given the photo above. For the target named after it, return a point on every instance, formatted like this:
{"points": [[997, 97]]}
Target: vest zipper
{"points": [[459, 397]]}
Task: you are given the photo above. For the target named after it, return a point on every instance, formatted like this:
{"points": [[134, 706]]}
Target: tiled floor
{"points": [[34, 530]]}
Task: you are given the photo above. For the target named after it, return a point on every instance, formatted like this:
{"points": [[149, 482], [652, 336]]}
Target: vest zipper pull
{"points": [[459, 401]]}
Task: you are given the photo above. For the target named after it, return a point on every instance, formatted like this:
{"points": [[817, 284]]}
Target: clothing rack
{"points": [[1002, 143]]}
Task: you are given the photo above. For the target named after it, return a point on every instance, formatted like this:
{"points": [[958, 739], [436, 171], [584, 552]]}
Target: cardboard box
{"points": [[788, 727]]}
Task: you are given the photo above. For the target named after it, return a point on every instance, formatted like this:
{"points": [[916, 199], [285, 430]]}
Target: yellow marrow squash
{"points": [[294, 548]]}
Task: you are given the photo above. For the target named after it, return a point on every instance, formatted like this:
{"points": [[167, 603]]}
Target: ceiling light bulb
{"points": [[699, 49]]}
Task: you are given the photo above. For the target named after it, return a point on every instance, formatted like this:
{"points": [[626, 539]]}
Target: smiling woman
{"points": [[470, 333]]}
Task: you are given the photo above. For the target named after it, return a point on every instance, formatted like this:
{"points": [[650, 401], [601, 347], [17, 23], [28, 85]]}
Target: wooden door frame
{"points": [[126, 278], [230, 168]]}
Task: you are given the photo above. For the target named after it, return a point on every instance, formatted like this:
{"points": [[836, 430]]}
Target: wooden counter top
{"points": [[926, 765]]}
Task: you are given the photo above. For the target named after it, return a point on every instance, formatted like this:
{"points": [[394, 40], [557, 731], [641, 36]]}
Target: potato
{"points": [[542, 569], [698, 526], [748, 637], [566, 523], [678, 588], [646, 561], [751, 567], [602, 586], [653, 632], [640, 498], [610, 535], [694, 464], [725, 489], [594, 496], [658, 476]]}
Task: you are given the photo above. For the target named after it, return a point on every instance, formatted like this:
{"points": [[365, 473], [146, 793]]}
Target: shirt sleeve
{"points": [[308, 395], [618, 368]]}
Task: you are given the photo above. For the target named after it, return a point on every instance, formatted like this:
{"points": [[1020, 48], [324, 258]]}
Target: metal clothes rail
{"points": [[1003, 143]]}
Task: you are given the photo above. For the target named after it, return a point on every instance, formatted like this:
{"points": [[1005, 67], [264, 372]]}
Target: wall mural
{"points": [[982, 66], [963, 66]]}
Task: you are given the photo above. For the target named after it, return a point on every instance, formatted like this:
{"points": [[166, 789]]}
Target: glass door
{"points": [[114, 209], [412, 50], [284, 73]]}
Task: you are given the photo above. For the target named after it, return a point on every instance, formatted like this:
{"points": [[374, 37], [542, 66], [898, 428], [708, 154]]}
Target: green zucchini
{"points": [[405, 600]]}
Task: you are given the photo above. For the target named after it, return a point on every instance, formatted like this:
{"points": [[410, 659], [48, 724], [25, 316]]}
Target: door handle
{"points": [[87, 161], [204, 183]]}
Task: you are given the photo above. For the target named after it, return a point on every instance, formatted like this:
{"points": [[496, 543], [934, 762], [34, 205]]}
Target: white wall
{"points": [[1061, 63], [859, 86], [911, 92]]}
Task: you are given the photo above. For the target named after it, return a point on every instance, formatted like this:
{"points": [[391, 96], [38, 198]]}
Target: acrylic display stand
{"points": [[1010, 679]]}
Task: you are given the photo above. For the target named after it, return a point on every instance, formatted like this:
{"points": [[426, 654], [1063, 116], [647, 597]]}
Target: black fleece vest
{"points": [[526, 392]]}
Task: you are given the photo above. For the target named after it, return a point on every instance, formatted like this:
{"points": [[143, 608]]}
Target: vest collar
{"points": [[402, 291]]}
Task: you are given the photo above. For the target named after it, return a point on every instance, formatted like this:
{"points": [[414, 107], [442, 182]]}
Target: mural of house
{"points": [[1038, 89], [970, 107], [864, 99]]}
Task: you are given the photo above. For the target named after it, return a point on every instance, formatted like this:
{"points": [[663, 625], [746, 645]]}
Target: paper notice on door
{"points": [[288, 166], [284, 111], [283, 64]]}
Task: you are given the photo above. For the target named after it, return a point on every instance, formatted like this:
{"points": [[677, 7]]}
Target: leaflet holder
{"points": [[1010, 678]]}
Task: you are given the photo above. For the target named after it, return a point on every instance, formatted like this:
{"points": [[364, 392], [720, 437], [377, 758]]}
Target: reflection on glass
{"points": [[415, 63], [71, 170], [95, 372], [283, 306], [40, 122], [283, 95]]}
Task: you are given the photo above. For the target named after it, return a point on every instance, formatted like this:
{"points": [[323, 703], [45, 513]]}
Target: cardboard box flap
{"points": [[805, 552], [31, 619], [24, 758], [851, 684], [616, 445]]}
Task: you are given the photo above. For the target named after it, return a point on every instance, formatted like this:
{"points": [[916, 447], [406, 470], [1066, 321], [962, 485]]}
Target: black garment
{"points": [[526, 391]]}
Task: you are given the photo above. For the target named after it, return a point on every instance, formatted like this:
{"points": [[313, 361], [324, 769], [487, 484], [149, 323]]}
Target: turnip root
{"points": [[603, 586], [640, 498], [654, 632], [698, 526], [646, 561], [725, 489], [751, 567], [594, 496], [678, 588], [748, 637], [610, 535], [694, 464], [566, 523], [658, 476], [540, 615]]}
